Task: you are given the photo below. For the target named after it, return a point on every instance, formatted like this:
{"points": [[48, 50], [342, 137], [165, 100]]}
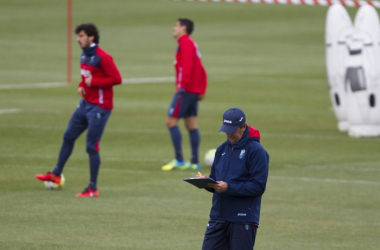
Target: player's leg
{"points": [[192, 128], [76, 126], [215, 236], [97, 120], [242, 236], [175, 133]]}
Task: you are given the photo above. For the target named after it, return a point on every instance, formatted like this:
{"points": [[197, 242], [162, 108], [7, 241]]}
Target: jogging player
{"points": [[191, 83], [99, 75]]}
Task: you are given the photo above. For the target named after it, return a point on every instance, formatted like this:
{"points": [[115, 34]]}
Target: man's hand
{"points": [[181, 92], [201, 97], [81, 91], [219, 187], [199, 175], [87, 80]]}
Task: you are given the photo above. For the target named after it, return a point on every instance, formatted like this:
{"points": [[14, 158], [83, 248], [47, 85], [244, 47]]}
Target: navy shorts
{"points": [[183, 106], [91, 117], [221, 235]]}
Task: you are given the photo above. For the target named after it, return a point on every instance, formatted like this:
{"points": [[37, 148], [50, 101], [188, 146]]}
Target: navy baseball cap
{"points": [[232, 119]]}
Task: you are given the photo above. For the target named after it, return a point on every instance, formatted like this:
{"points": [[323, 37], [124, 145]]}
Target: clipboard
{"points": [[200, 182]]}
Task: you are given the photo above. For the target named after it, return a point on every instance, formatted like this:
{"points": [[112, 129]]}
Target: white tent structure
{"points": [[338, 28], [353, 69]]}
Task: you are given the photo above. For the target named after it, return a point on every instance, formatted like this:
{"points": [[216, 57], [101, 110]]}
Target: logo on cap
{"points": [[232, 119]]}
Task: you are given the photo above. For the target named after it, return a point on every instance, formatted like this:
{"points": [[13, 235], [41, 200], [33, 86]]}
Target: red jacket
{"points": [[190, 74], [100, 65]]}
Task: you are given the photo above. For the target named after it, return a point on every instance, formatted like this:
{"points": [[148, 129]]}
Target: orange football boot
{"points": [[88, 192], [49, 176]]}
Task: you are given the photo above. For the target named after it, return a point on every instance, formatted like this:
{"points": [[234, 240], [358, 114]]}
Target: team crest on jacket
{"points": [[242, 153]]}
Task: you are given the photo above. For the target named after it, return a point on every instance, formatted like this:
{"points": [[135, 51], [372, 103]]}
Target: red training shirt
{"points": [[100, 65], [190, 74]]}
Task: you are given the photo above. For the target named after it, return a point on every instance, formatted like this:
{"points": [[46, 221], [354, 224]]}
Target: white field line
{"points": [[33, 85], [63, 84], [326, 180], [83, 157], [357, 167], [271, 177], [7, 111], [127, 130], [148, 80], [85, 168], [301, 136], [62, 128], [348, 3], [152, 131]]}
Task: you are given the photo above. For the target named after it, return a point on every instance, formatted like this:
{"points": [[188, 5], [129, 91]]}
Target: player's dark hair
{"points": [[188, 23], [242, 125], [90, 29]]}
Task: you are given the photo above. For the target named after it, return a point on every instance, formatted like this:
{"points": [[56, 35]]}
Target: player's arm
{"points": [[113, 76], [258, 172], [187, 50], [81, 90], [204, 83]]}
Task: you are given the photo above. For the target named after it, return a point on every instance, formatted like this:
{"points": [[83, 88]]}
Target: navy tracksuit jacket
{"points": [[244, 166]]}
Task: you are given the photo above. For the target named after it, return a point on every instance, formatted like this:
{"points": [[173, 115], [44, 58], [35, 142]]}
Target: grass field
{"points": [[323, 190]]}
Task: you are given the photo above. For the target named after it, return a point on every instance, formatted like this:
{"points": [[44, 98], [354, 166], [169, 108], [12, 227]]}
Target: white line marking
{"points": [[114, 130], [348, 3], [103, 169], [359, 167], [104, 158], [308, 136], [33, 85], [163, 130], [148, 80], [63, 84], [142, 130], [7, 111], [271, 177], [307, 179]]}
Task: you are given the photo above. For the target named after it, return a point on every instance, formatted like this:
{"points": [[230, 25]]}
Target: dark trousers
{"points": [[87, 116], [93, 118], [221, 235]]}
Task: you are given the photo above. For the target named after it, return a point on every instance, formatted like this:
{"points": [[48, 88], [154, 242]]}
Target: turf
{"points": [[269, 60]]}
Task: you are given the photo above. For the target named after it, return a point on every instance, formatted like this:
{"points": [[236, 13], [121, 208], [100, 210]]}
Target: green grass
{"points": [[323, 188]]}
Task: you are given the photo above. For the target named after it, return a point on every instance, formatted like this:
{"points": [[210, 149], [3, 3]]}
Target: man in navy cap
{"points": [[241, 170]]}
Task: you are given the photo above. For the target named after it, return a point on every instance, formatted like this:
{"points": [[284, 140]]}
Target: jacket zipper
{"points": [[225, 174]]}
